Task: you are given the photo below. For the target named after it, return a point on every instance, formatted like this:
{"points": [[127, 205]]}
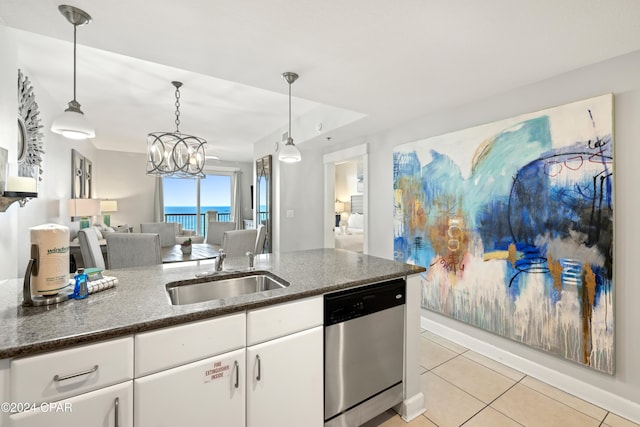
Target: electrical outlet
{"points": [[290, 213]]}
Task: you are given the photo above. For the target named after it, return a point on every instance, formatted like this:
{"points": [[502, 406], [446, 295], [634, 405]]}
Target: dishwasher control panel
{"points": [[350, 304]]}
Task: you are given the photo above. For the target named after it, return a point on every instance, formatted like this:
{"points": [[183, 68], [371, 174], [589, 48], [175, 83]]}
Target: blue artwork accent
{"points": [[516, 227]]}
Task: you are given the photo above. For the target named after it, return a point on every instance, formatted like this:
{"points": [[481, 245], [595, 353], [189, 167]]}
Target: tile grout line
{"points": [[498, 397], [497, 372], [466, 392], [442, 363], [605, 417], [607, 412], [562, 403]]}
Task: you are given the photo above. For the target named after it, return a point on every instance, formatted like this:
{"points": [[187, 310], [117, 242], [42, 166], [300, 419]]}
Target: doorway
{"points": [[346, 199]]}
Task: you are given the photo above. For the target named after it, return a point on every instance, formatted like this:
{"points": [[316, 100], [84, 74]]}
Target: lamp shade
{"points": [[290, 154], [84, 207], [339, 207], [73, 125], [108, 205]]}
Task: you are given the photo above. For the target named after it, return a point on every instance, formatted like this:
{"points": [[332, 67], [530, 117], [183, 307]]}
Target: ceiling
{"points": [[364, 65]]}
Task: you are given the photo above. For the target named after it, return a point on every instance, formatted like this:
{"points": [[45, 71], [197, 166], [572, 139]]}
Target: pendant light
{"points": [[175, 154], [72, 123], [290, 153]]}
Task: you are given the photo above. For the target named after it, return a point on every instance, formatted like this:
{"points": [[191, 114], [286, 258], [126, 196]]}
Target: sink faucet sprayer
{"points": [[250, 256], [219, 260]]}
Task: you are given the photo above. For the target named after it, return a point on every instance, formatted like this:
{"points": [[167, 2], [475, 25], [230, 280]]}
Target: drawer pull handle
{"points": [[67, 377], [116, 404], [237, 368], [259, 368]]}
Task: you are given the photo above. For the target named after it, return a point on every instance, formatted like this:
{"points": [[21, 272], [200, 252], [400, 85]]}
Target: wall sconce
{"points": [[107, 207], [84, 208], [15, 188]]}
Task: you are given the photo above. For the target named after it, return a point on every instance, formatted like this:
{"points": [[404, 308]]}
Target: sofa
{"points": [[171, 233], [183, 234]]}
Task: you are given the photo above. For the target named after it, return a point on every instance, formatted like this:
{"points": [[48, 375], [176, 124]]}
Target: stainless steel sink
{"points": [[222, 286]]}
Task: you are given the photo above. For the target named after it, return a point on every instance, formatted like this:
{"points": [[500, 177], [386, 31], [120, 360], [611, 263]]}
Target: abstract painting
{"points": [[514, 222]]}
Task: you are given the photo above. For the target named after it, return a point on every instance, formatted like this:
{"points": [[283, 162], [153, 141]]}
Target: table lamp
{"points": [[107, 207], [84, 208]]}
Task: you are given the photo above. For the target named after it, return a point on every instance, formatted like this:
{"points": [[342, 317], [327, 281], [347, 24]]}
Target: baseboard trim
{"points": [[411, 408], [602, 398]]}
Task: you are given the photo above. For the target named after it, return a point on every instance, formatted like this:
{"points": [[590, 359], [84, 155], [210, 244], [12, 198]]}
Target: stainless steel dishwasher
{"points": [[364, 348]]}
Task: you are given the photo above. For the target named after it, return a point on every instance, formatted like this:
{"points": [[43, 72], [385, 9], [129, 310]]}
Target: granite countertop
{"points": [[140, 303]]}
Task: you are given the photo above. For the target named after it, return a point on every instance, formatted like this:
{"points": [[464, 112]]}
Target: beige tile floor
{"points": [[463, 388]]}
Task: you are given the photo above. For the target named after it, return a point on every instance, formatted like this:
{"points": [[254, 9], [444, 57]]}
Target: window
{"points": [[187, 200]]}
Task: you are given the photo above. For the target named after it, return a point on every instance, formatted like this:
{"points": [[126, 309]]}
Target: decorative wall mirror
{"points": [[81, 176], [30, 146], [263, 198]]}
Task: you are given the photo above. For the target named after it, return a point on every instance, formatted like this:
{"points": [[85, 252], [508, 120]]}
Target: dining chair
{"points": [[166, 230], [261, 234], [239, 242], [90, 249], [216, 230], [133, 249]]}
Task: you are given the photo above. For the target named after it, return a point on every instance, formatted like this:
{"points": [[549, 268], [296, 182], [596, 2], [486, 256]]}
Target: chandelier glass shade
{"points": [[175, 154]]}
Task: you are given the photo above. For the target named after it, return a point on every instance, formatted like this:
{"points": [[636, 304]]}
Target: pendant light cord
{"points": [[289, 113], [75, 27]]}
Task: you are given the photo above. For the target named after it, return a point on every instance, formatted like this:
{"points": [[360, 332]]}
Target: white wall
{"points": [[122, 176], [621, 76], [8, 140], [346, 182], [55, 187]]}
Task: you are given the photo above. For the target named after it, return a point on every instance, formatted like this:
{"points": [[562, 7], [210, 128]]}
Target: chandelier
{"points": [[175, 154]]}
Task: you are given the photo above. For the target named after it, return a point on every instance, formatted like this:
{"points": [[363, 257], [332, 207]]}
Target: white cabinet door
{"points": [[106, 407], [285, 381], [204, 393]]}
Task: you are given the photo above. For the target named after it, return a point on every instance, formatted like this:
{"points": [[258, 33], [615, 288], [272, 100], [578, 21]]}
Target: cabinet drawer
{"points": [[97, 408], [267, 323], [54, 376], [170, 347]]}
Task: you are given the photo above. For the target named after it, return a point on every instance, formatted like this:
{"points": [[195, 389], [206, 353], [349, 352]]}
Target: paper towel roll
{"points": [[53, 258]]}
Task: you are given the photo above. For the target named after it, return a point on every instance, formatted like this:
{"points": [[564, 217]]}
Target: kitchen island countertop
{"points": [[140, 303]]}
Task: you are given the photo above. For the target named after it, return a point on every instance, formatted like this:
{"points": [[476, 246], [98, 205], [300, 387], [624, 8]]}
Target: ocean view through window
{"points": [[181, 201]]}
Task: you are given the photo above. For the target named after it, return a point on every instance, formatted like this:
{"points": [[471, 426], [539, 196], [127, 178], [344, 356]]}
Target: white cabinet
{"points": [[204, 393], [107, 407], [285, 365], [51, 377], [178, 345], [84, 385], [261, 368], [285, 381]]}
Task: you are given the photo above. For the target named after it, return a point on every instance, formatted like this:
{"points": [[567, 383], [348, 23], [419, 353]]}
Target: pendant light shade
{"points": [[72, 123], [290, 153]]}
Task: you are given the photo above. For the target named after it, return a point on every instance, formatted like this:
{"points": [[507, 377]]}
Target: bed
{"points": [[350, 234]]}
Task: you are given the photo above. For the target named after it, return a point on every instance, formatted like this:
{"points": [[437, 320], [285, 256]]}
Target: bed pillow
{"points": [[356, 220]]}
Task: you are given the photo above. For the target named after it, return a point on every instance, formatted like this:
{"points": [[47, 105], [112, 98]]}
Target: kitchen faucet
{"points": [[250, 255], [219, 260]]}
